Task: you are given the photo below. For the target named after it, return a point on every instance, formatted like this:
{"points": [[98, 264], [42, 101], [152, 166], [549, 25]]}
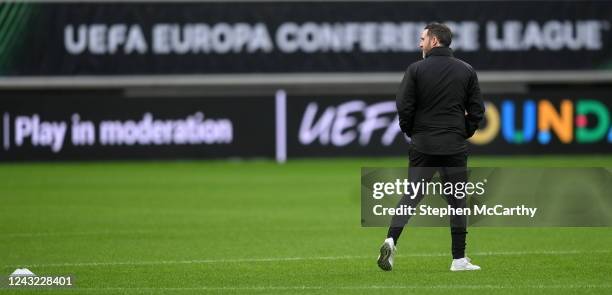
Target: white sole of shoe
{"points": [[463, 269], [383, 258]]}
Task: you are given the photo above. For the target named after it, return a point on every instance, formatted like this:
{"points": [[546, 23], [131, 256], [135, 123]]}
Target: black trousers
{"points": [[451, 168]]}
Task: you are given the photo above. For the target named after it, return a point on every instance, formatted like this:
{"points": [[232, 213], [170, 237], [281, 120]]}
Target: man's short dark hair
{"points": [[441, 32]]}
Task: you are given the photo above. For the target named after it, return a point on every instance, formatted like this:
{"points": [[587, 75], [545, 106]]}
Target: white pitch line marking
{"points": [[68, 234], [288, 259]]}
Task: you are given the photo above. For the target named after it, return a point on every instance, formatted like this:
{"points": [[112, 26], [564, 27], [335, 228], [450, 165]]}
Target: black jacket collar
{"points": [[440, 51]]}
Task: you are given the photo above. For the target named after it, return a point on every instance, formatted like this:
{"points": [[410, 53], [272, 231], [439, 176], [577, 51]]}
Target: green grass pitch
{"points": [[220, 227]]}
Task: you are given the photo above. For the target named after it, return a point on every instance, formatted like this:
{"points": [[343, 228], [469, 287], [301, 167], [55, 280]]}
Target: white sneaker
{"points": [[387, 251], [462, 264]]}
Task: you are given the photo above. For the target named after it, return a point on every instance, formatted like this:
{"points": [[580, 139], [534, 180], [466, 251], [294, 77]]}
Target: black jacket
{"points": [[439, 103]]}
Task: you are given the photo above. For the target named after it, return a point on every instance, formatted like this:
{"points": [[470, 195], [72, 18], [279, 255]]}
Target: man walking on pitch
{"points": [[439, 106]]}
